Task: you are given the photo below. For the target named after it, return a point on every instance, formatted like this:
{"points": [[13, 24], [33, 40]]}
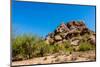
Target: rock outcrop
{"points": [[73, 31]]}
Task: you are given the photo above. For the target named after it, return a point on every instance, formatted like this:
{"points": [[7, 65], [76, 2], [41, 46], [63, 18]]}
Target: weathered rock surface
{"points": [[75, 42], [70, 30], [92, 39], [58, 38]]}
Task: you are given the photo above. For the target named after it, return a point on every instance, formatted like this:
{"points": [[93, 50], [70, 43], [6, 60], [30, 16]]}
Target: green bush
{"points": [[66, 44], [56, 48], [22, 46], [29, 46], [85, 46], [64, 47], [42, 49]]}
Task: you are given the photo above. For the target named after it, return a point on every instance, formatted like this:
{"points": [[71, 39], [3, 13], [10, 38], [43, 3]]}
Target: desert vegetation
{"points": [[30, 46], [70, 42]]}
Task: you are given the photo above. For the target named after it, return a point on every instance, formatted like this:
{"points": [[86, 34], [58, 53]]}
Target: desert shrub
{"points": [[28, 46], [41, 49], [23, 46], [65, 46], [70, 49], [56, 48], [85, 46]]}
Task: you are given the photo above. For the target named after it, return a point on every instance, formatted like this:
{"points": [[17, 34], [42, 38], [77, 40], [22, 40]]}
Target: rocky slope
{"points": [[74, 32]]}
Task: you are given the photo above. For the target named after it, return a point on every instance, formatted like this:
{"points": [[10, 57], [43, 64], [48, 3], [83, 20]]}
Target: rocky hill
{"points": [[73, 32], [69, 42]]}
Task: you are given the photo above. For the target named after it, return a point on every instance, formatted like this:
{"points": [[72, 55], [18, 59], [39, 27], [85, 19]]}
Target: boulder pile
{"points": [[73, 32]]}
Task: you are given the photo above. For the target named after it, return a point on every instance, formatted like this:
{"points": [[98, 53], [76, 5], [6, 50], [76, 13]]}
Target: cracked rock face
{"points": [[70, 30]]}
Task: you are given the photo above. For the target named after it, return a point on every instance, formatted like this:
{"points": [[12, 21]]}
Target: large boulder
{"points": [[75, 42], [49, 40], [58, 38], [92, 40]]}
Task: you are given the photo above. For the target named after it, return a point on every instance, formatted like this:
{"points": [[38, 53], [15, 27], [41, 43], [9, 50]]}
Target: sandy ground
{"points": [[59, 58]]}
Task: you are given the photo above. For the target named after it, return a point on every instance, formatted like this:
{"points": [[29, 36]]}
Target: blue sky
{"points": [[42, 18]]}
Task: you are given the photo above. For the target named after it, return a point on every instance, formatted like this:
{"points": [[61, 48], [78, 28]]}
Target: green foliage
{"points": [[29, 46], [84, 46], [23, 46], [64, 47], [42, 49], [66, 44]]}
